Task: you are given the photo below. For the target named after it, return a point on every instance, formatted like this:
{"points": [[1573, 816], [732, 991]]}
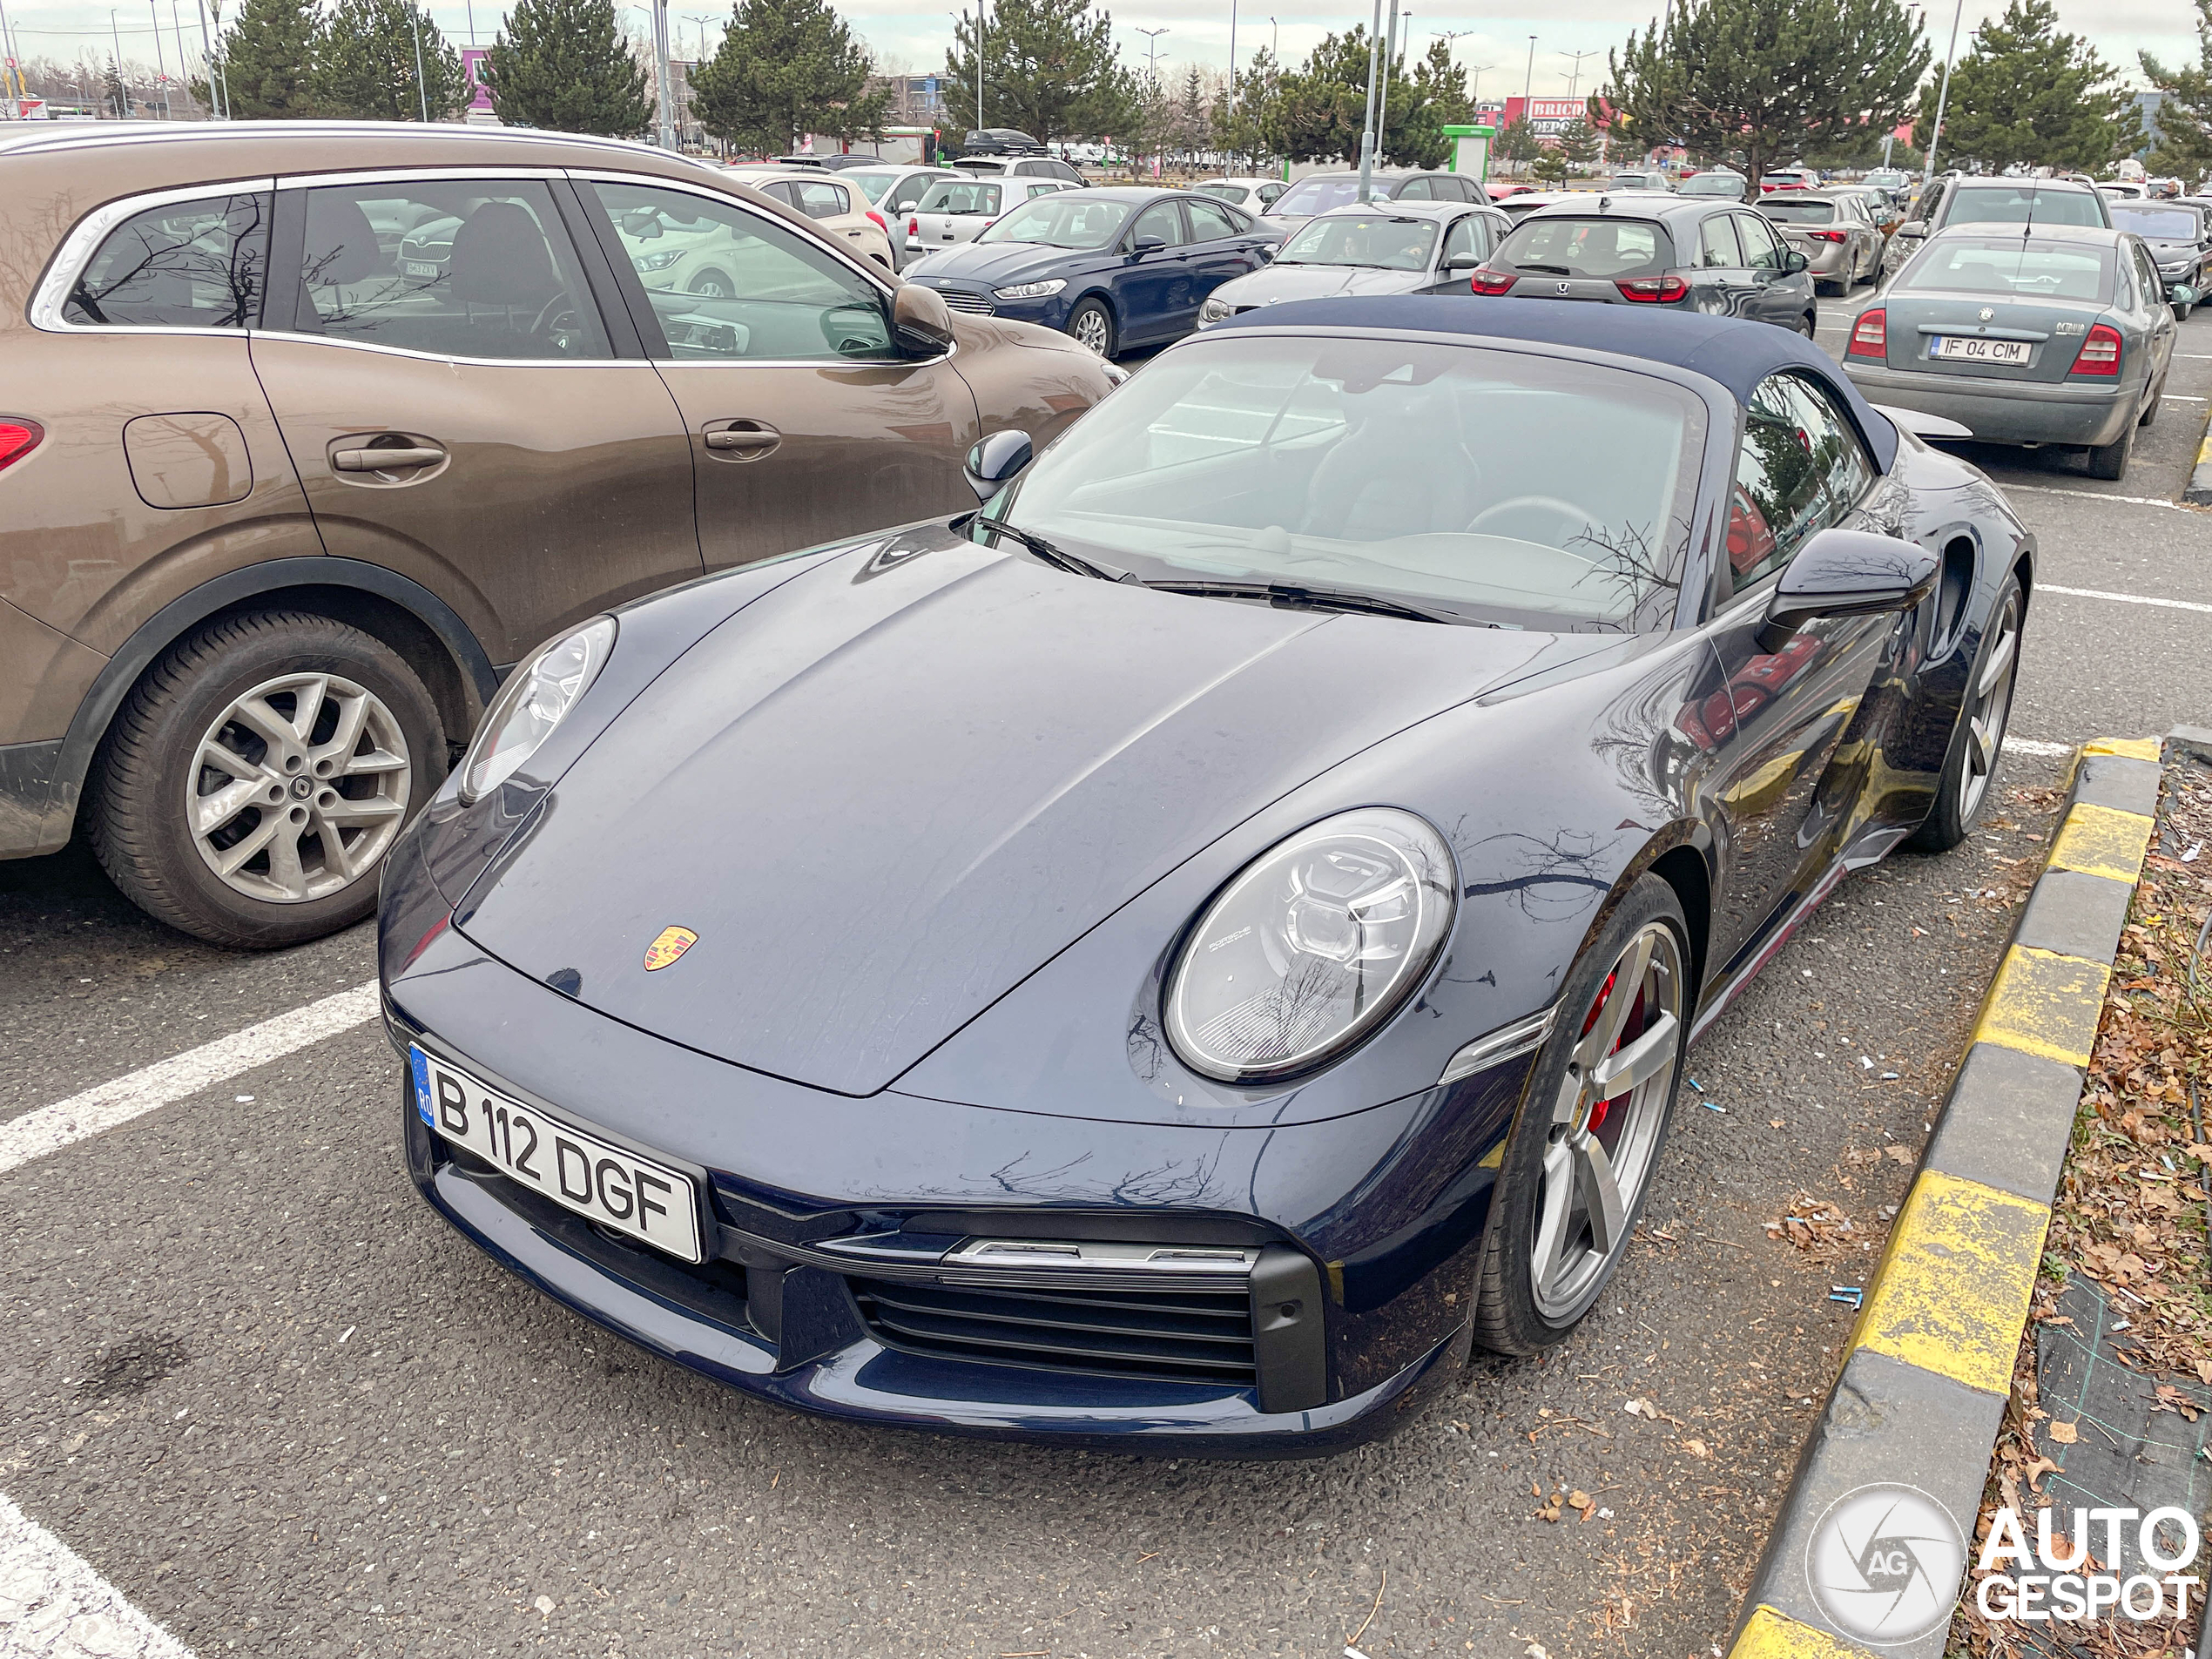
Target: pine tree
{"points": [[2184, 147], [565, 65], [265, 55], [2025, 93], [1578, 144], [1191, 125], [1770, 77], [118, 99], [364, 64], [1239, 134], [1319, 112], [787, 68], [1517, 142], [1050, 69], [1443, 84]]}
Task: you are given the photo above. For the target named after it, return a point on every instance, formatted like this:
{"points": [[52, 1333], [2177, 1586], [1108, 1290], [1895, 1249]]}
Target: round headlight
{"points": [[1313, 946], [544, 687]]}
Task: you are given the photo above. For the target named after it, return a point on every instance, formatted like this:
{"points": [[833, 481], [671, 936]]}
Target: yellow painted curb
{"points": [[2134, 748], [2102, 840], [1953, 1290], [1768, 1634], [2043, 1003]]}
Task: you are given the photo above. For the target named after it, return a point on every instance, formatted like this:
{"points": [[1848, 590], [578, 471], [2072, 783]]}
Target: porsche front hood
{"points": [[887, 792]]}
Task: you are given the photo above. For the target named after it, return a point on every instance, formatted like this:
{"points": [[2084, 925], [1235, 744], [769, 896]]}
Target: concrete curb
{"points": [[1925, 1375], [2199, 492]]}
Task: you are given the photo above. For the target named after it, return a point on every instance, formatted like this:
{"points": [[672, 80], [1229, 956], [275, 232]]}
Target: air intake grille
{"points": [[966, 299], [1203, 1336]]}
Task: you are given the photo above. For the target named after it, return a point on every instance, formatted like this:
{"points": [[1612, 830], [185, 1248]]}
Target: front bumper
{"points": [[1381, 1212], [2006, 412]]}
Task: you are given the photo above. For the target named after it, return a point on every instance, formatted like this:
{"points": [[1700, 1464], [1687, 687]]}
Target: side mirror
{"points": [[1914, 228], [995, 460], [642, 223], [1144, 244], [921, 320], [1793, 261], [1847, 573], [2182, 294], [1267, 252], [1464, 261]]}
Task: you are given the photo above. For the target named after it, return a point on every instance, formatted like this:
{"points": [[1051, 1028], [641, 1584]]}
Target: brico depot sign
{"points": [[1546, 115]]}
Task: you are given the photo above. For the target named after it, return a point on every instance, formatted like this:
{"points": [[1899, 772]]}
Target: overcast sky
{"points": [[913, 34]]}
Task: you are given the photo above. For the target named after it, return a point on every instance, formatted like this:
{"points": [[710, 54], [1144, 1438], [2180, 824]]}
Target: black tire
{"points": [[2109, 460], [148, 768], [1092, 317], [1952, 816], [713, 284], [2151, 409], [2181, 312], [1806, 325], [1507, 1317]]}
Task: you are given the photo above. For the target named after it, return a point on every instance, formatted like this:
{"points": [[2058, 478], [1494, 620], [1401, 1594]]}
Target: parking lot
{"points": [[267, 1395]]}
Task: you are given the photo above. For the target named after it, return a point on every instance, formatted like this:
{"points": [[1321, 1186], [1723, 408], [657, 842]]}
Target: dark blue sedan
{"points": [[1114, 268]]}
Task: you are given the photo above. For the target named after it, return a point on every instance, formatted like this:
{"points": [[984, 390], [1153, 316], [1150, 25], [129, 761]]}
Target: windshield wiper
{"points": [[1285, 597], [1057, 556], [1548, 270]]}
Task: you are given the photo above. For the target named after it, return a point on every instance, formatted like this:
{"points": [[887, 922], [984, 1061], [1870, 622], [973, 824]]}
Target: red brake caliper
{"points": [[1598, 1112]]}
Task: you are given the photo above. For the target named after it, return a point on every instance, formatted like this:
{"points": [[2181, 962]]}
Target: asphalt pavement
{"points": [[275, 1403]]}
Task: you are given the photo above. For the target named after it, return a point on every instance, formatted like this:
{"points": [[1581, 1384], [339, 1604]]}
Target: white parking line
{"points": [[2036, 746], [97, 1110], [53, 1602], [2125, 598], [2092, 495]]}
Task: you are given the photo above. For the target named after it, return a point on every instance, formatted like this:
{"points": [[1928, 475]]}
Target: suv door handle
{"points": [[748, 441], [393, 459]]}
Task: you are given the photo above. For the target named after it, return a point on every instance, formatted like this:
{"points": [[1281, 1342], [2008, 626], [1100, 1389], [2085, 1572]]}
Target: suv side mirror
{"points": [[1144, 244], [921, 320], [1847, 573], [996, 459]]}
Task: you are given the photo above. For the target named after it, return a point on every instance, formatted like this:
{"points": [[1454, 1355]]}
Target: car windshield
{"points": [[1712, 184], [2008, 265], [1062, 219], [869, 182], [1387, 242], [1887, 180], [1318, 195], [1450, 477], [1227, 192], [963, 196], [2157, 223], [2022, 205], [1584, 248], [1800, 211], [1632, 181]]}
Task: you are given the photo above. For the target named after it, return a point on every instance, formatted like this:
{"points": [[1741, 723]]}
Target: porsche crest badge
{"points": [[669, 943]]}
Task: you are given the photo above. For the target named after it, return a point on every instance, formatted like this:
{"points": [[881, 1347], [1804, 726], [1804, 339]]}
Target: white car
{"points": [[894, 190], [956, 210], [839, 207], [1253, 195], [2122, 190]]}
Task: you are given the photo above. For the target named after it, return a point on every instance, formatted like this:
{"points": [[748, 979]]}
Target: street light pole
{"points": [[1528, 81], [1367, 136], [1390, 68], [122, 92], [1574, 80], [422, 91], [8, 68], [663, 84], [1935, 137], [161, 63], [1232, 59]]}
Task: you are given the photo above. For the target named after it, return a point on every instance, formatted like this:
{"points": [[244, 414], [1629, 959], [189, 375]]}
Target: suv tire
{"points": [[163, 815]]}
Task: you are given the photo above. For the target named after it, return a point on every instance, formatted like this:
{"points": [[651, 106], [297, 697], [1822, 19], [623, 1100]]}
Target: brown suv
{"points": [[307, 430]]}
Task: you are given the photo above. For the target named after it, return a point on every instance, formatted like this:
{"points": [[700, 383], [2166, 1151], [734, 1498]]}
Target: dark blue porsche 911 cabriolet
{"points": [[1172, 959]]}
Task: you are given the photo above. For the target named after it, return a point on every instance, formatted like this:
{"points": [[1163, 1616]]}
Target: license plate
{"points": [[1980, 351], [420, 267], [648, 1201]]}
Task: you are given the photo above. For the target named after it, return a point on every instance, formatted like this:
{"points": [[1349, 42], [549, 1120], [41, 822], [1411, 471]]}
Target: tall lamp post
{"points": [[1574, 80], [1943, 95], [1367, 136]]}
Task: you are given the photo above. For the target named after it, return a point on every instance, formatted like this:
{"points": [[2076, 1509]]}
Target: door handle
{"points": [[391, 460], [747, 442]]}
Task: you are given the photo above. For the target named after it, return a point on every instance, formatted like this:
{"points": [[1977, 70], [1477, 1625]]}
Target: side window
{"points": [[1779, 497], [199, 263], [1931, 204], [822, 201], [729, 285], [2123, 282], [1066, 174], [1413, 190], [1717, 248], [1210, 221], [1464, 239], [2147, 273], [910, 191], [1044, 187], [1847, 470], [780, 189], [1162, 221], [1269, 192], [485, 271], [1762, 251]]}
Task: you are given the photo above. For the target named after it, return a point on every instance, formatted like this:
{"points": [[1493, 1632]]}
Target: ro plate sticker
{"points": [[421, 1068]]}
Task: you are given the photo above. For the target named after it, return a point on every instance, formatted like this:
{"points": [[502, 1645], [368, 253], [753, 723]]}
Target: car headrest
{"points": [[500, 257], [340, 247]]}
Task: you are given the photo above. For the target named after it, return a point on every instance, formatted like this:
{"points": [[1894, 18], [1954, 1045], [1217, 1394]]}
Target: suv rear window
{"points": [[2022, 205], [1799, 212], [1586, 247], [199, 263]]}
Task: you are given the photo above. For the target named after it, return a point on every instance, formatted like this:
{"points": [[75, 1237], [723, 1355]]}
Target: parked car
{"points": [[1019, 167], [1832, 228], [1253, 195], [1646, 179], [247, 598], [1112, 268], [1879, 209], [1000, 141], [1893, 182], [2061, 335], [837, 204], [1317, 192], [2123, 190], [892, 190], [1954, 200], [1717, 184], [852, 159], [2179, 236], [1520, 207], [956, 209], [1680, 254], [1124, 1078], [1789, 178], [1391, 247]]}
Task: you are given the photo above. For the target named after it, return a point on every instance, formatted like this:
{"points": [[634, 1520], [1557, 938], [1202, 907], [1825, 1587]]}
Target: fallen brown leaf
{"points": [[2064, 1433]]}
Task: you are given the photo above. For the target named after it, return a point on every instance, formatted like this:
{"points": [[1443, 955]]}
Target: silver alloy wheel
{"points": [[1090, 330], [1607, 1123], [1989, 705], [298, 788], [712, 286]]}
